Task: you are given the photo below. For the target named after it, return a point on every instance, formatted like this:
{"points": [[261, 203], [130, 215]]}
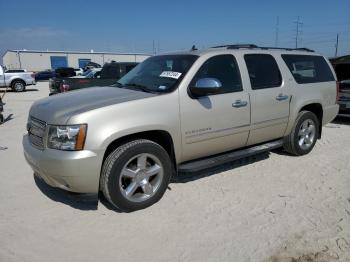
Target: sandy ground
{"points": [[273, 207]]}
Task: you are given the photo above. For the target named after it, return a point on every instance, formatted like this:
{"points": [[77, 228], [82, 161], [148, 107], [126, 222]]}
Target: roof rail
{"points": [[252, 46], [238, 46], [305, 49]]}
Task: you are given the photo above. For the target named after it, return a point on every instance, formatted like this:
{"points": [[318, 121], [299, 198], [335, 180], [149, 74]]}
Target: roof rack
{"points": [[238, 46], [252, 46]]}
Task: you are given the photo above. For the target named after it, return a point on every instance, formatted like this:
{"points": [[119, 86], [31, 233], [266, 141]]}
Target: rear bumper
{"points": [[329, 113], [31, 82], [344, 107], [75, 171]]}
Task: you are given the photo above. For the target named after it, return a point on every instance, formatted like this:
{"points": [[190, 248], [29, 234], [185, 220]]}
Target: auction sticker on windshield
{"points": [[170, 74]]}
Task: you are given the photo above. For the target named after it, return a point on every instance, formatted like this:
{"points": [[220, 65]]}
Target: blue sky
{"points": [[132, 26]]}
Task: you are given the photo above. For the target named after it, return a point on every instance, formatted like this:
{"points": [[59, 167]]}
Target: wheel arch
{"points": [[317, 109], [17, 79], [160, 137]]}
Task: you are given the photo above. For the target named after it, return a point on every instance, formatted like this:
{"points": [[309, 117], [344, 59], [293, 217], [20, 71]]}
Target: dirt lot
{"points": [[273, 207]]}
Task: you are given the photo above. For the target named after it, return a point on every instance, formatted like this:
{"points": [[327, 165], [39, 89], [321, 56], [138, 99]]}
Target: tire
{"points": [[304, 134], [125, 178], [1, 118], [18, 86]]}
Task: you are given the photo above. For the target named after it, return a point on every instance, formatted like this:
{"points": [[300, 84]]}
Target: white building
{"points": [[42, 60]]}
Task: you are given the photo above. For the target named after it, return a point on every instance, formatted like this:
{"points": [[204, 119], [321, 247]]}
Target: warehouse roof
{"points": [[74, 52]]}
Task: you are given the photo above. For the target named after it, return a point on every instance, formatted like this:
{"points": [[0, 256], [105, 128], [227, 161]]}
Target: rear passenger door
{"points": [[269, 97], [215, 123]]}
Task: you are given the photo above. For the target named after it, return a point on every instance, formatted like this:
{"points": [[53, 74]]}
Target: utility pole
{"points": [[153, 48], [336, 46], [298, 32], [277, 31]]}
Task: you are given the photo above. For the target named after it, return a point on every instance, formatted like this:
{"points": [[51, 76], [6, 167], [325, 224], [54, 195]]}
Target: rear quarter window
{"points": [[308, 69]]}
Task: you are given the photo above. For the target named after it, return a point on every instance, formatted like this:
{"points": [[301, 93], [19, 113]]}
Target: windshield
{"points": [[158, 73]]}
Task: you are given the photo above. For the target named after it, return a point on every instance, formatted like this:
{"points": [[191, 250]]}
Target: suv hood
{"points": [[57, 109]]}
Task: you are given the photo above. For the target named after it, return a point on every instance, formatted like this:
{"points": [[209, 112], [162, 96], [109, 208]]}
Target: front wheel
{"points": [[136, 175], [304, 134]]}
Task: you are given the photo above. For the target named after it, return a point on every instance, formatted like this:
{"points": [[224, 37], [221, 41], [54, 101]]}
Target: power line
{"points": [[277, 31], [336, 46], [298, 32], [337, 24]]}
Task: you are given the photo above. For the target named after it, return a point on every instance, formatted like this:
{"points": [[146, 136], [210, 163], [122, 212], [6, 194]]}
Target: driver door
{"points": [[215, 123]]}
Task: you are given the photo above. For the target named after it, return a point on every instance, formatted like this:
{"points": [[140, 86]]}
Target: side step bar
{"points": [[208, 162]]}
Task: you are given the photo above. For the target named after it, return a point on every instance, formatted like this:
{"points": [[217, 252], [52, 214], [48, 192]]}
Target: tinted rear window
{"points": [[308, 69], [111, 70], [263, 71]]}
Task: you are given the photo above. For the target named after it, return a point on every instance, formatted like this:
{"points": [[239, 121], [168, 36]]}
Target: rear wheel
{"points": [[303, 137], [136, 175], [18, 86]]}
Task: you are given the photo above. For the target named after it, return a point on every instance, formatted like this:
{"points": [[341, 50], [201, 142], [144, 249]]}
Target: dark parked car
{"points": [[342, 69], [1, 110], [65, 72], [44, 75], [110, 74]]}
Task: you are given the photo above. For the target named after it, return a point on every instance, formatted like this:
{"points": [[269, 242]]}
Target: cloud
{"points": [[34, 32], [32, 38]]}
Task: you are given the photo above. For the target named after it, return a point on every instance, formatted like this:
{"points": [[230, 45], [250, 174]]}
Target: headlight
{"points": [[67, 137]]}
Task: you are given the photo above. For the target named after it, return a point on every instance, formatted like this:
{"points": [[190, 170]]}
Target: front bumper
{"points": [[75, 171]]}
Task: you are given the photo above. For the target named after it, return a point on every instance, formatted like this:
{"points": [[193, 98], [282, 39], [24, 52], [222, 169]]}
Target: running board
{"points": [[208, 162]]}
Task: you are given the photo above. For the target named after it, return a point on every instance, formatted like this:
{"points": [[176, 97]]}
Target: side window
{"points": [[308, 68], [263, 71], [225, 69]]}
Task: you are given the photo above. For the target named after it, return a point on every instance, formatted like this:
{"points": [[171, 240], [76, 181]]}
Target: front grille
{"points": [[36, 130]]}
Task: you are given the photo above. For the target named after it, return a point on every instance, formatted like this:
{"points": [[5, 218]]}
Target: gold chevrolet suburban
{"points": [[180, 112]]}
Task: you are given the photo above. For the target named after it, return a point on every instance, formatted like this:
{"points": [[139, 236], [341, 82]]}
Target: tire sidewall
{"points": [[304, 116], [118, 164], [14, 84]]}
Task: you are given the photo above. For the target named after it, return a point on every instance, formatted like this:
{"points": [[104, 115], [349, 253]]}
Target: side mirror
{"points": [[205, 87], [1, 70]]}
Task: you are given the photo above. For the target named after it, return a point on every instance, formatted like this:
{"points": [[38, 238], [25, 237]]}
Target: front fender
{"points": [[108, 124]]}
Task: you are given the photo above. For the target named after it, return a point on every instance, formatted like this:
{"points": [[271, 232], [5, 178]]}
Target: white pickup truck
{"points": [[17, 81]]}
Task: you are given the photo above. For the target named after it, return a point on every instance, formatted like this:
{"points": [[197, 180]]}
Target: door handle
{"points": [[239, 103], [282, 97]]}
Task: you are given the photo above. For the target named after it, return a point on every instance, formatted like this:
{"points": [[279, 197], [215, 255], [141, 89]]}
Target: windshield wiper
{"points": [[139, 87], [118, 84]]}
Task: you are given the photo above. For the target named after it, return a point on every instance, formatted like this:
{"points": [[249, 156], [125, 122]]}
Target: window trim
{"points": [[238, 70], [279, 71]]}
